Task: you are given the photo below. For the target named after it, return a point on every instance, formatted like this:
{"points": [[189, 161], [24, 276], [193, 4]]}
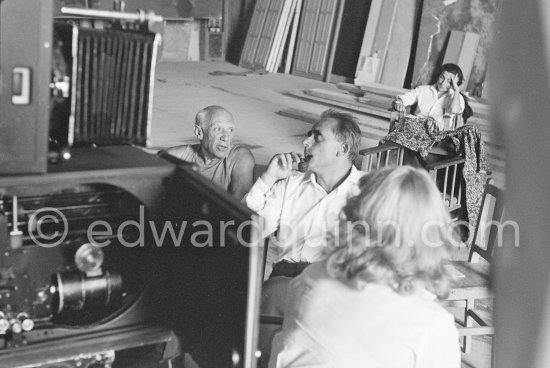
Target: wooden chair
{"points": [[446, 173], [375, 158], [473, 278]]}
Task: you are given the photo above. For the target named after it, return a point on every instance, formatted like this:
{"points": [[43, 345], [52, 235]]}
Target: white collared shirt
{"points": [[428, 102], [301, 213]]}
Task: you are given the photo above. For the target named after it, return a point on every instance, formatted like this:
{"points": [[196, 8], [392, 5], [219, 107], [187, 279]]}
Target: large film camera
{"points": [[113, 257]]}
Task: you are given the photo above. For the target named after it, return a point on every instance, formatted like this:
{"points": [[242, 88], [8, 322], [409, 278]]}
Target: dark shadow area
{"points": [[350, 39]]}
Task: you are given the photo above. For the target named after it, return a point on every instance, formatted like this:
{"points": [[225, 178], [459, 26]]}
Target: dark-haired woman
{"points": [[437, 100]]}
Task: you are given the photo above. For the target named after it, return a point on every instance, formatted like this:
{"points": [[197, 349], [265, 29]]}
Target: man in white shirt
{"points": [[298, 210]]}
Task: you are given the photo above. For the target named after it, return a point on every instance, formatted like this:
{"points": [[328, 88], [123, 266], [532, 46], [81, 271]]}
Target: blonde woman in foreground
{"points": [[372, 301]]}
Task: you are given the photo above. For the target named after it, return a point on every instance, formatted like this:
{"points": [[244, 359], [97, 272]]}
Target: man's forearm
{"points": [[256, 199], [269, 209], [456, 107]]}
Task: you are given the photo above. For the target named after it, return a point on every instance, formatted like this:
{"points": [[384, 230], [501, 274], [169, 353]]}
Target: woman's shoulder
{"points": [[315, 276], [433, 311]]}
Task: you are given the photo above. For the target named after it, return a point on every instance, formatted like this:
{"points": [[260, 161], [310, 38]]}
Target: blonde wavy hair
{"points": [[396, 231]]}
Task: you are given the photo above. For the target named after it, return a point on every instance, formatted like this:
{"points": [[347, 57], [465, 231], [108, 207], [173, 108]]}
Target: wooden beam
{"points": [[293, 35]]}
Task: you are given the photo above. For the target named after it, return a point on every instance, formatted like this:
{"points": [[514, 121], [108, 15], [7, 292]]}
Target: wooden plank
{"points": [[304, 44], [384, 32], [285, 39], [314, 37], [268, 33], [375, 88], [301, 115], [293, 34], [468, 54], [321, 45], [395, 60], [278, 47], [351, 88], [376, 100], [332, 95], [194, 43], [280, 35], [369, 130], [375, 111], [254, 32]]}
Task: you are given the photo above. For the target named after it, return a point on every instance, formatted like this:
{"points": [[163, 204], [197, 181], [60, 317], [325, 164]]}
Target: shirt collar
{"points": [[352, 178]]}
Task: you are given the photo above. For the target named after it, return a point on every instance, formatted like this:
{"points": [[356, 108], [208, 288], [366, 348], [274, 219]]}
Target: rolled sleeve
{"points": [[409, 98], [256, 197], [266, 202]]}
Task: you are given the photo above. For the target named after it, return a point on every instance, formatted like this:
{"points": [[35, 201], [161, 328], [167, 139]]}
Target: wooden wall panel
{"points": [[306, 36], [281, 36], [385, 25], [387, 42], [323, 38], [314, 40], [395, 61], [254, 33], [268, 33]]}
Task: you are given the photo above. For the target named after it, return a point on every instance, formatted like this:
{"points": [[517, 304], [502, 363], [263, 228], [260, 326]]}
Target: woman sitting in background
{"points": [[371, 302], [436, 101], [426, 137]]}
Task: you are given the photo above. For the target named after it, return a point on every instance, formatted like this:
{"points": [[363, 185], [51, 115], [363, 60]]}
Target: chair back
{"points": [[488, 224], [375, 158]]}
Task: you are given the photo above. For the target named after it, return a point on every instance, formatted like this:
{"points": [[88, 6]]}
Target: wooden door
{"points": [[314, 38], [261, 33]]}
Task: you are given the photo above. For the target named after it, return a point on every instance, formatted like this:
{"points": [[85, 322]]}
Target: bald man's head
{"points": [[214, 127]]}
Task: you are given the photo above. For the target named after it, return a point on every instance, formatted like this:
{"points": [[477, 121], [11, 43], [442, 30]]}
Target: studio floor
{"points": [[182, 89]]}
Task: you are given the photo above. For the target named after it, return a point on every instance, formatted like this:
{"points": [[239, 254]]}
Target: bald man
{"points": [[230, 166]]}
